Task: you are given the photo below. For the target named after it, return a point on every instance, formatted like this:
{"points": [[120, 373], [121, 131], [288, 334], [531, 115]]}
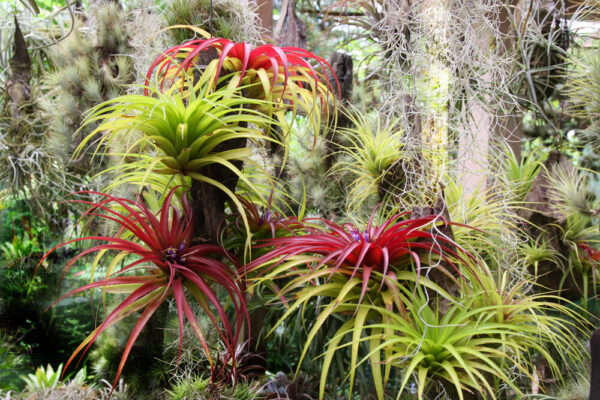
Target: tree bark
{"points": [[265, 14], [290, 30], [343, 67], [208, 201]]}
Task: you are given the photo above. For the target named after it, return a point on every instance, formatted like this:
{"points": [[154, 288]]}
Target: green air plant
{"points": [[583, 88], [181, 135], [569, 191], [193, 387], [369, 157], [482, 342], [485, 210], [520, 174], [532, 252], [307, 177], [44, 378], [232, 19]]}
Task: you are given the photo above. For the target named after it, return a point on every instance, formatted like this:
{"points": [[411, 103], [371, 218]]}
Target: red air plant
{"points": [[592, 254], [166, 264], [592, 258], [270, 67], [386, 249]]}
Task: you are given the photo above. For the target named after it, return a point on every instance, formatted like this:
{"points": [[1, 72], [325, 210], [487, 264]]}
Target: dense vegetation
{"points": [[372, 199]]}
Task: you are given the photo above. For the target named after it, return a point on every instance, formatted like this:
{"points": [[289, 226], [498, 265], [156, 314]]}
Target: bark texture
{"points": [[343, 67]]}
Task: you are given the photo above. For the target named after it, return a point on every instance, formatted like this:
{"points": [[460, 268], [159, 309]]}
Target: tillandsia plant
{"points": [[90, 66], [354, 270], [484, 341], [283, 76], [156, 259], [184, 132], [520, 174], [372, 151]]}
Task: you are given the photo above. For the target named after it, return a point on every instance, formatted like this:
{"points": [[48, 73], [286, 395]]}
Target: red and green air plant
{"points": [[282, 75], [167, 263], [268, 64], [354, 272], [345, 249]]}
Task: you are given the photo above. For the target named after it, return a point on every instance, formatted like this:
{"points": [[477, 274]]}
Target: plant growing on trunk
{"points": [[282, 76], [372, 155], [182, 134], [155, 260]]}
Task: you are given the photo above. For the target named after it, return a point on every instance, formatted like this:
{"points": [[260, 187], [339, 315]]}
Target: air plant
{"points": [[283, 76], [348, 250], [356, 269], [159, 260], [569, 190], [485, 210], [263, 223], [480, 341], [520, 173], [372, 152], [583, 86], [90, 67], [461, 347], [232, 19], [186, 131], [182, 134], [534, 252]]}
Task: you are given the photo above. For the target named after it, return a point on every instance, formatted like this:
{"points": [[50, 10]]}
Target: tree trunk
{"points": [[208, 201], [265, 14], [343, 67], [290, 30]]}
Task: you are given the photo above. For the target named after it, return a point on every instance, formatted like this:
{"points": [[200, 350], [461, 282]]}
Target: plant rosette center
{"points": [[174, 255]]}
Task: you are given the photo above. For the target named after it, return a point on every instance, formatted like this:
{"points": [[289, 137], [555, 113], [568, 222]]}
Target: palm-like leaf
{"points": [[165, 263]]}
